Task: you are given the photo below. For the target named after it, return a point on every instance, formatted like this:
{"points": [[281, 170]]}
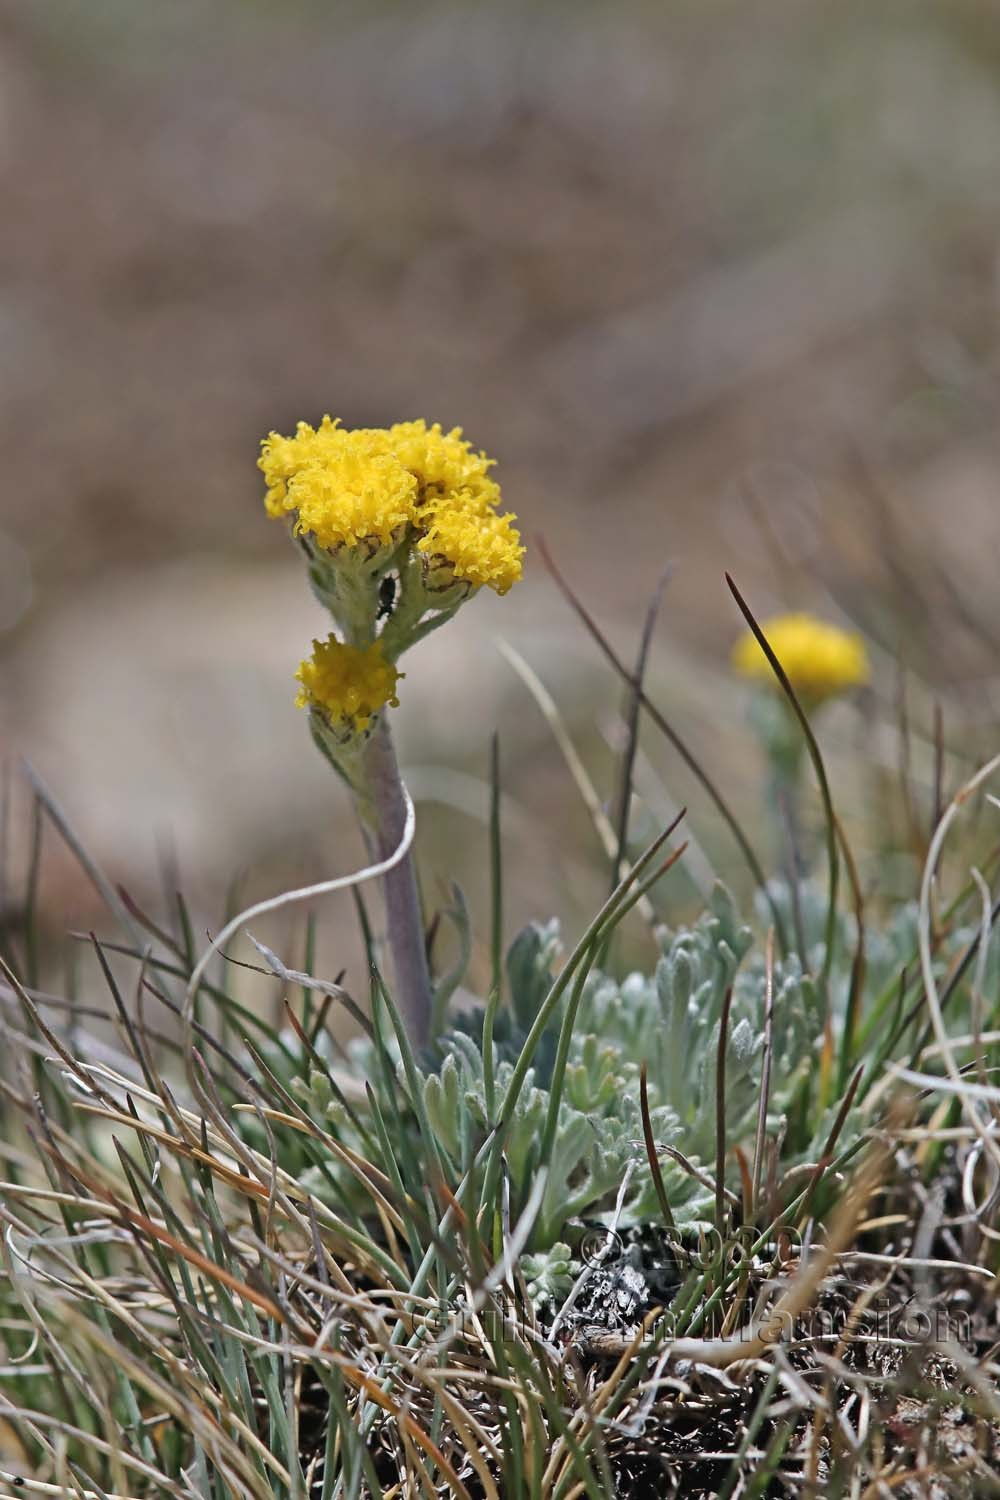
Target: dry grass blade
{"points": [[964, 1090]]}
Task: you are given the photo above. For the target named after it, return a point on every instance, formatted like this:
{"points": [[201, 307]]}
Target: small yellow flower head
{"points": [[348, 683], [444, 464], [820, 659], [281, 458], [356, 497], [472, 546], [343, 488]]}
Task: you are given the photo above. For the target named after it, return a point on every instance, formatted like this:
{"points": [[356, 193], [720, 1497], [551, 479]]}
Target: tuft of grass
{"points": [[725, 1227]]}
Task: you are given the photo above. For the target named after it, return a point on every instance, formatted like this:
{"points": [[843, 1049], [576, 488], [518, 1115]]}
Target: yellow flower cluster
{"points": [[349, 683], [481, 548], [820, 659], [367, 486]]}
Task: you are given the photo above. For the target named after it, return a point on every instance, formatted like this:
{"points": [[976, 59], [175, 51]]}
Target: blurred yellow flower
{"points": [[349, 683], [821, 660]]}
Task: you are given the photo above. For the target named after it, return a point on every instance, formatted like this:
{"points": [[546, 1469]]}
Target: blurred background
{"points": [[719, 287]]}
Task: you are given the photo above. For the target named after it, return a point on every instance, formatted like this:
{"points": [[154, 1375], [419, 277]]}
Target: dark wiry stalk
{"points": [[824, 786], [634, 706], [689, 759]]}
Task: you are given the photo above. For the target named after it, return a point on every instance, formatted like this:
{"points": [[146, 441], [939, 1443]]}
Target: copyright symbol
{"points": [[598, 1245]]}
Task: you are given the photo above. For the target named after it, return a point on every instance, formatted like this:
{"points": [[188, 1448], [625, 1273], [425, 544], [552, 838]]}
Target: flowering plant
{"points": [[399, 527]]}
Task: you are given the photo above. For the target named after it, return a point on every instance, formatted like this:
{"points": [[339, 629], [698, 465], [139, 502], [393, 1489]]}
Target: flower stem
{"points": [[382, 805]]}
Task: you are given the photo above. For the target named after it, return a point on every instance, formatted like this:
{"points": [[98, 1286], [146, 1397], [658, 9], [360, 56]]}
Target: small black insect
{"points": [[386, 597]]}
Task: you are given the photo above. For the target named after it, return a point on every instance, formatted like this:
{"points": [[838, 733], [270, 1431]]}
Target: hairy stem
{"points": [[383, 816]]}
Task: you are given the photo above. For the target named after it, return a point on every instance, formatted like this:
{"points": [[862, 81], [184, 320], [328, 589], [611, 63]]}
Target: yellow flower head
{"points": [[445, 465], [344, 488], [356, 496], [281, 458], [349, 683], [820, 659], [474, 546]]}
